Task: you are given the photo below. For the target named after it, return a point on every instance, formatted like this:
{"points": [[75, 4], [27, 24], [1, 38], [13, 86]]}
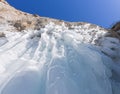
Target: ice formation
{"points": [[57, 60], [40, 55]]}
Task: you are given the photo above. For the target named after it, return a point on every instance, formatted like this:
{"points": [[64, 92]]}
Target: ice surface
{"points": [[110, 46], [55, 60]]}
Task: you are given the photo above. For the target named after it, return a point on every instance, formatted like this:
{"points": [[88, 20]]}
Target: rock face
{"points": [[116, 27], [20, 20]]}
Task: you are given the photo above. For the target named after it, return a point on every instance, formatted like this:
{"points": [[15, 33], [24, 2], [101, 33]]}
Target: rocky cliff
{"points": [[20, 20]]}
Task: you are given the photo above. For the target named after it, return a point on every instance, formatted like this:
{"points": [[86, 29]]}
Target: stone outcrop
{"points": [[19, 21], [115, 30], [116, 27]]}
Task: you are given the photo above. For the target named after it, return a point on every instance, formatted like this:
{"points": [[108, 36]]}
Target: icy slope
{"points": [[58, 60], [40, 55]]}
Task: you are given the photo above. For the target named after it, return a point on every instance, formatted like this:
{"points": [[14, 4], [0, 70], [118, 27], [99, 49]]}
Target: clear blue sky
{"points": [[101, 12]]}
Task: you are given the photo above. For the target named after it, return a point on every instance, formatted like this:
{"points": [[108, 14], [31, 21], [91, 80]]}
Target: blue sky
{"points": [[100, 12]]}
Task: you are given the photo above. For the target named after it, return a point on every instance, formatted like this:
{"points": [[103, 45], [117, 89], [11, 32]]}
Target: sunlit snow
{"points": [[56, 60]]}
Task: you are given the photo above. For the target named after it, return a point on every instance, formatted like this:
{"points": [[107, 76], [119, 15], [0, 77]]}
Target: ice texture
{"points": [[56, 60]]}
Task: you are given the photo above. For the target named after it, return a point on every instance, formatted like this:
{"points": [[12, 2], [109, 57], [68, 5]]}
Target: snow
{"points": [[56, 60], [110, 46]]}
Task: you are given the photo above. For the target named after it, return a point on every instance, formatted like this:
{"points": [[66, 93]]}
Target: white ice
{"points": [[55, 60]]}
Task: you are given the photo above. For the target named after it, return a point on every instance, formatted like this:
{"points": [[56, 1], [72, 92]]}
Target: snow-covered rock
{"points": [[57, 57]]}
